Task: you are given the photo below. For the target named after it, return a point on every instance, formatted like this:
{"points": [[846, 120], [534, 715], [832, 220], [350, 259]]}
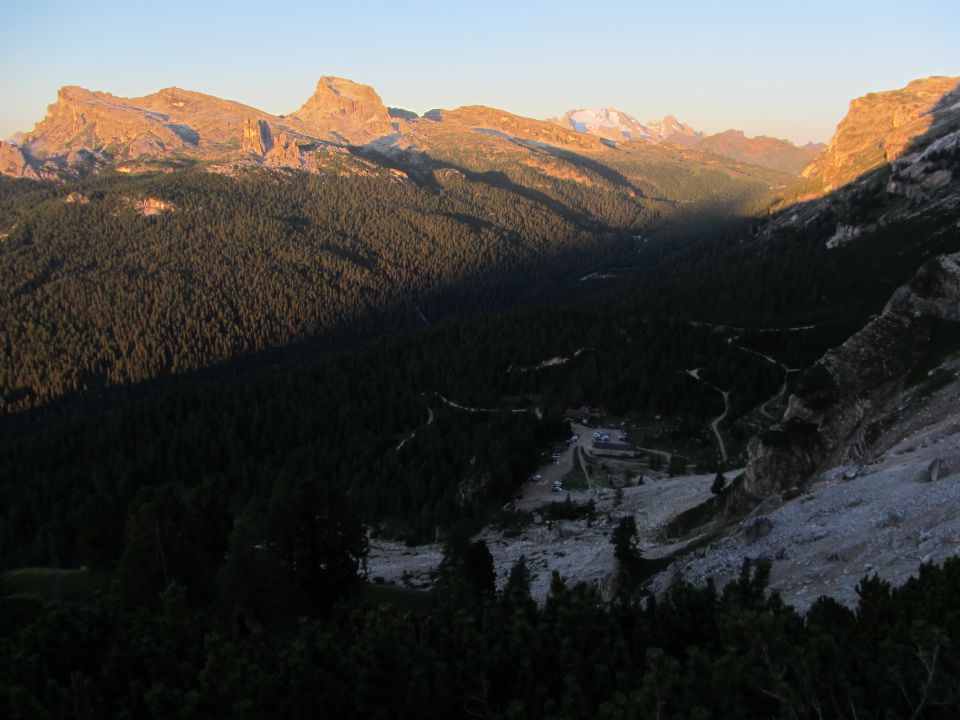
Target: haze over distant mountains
{"points": [[618, 126]]}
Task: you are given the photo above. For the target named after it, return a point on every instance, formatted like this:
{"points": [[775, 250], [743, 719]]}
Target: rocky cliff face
{"points": [[16, 161], [81, 119], [84, 129], [257, 137], [881, 127], [844, 407], [352, 111]]}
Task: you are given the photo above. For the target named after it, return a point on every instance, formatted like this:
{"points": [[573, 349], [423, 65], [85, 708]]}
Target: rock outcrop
{"points": [[845, 404], [348, 110], [286, 152], [17, 161], [81, 119], [256, 137], [14, 162], [881, 127]]}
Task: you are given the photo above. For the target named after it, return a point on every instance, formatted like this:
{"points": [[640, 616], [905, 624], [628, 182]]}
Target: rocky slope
{"points": [[862, 478], [767, 152], [895, 168], [881, 127], [863, 474], [845, 406], [884, 517]]}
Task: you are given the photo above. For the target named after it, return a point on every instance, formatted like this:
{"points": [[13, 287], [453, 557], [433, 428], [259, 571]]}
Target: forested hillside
{"points": [[370, 423], [468, 650], [222, 383], [117, 280]]}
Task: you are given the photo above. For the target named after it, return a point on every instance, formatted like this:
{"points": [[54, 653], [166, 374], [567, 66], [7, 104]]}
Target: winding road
{"points": [[715, 425], [772, 361], [413, 433]]}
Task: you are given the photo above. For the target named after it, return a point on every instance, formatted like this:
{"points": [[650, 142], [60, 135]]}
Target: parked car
{"points": [[537, 478]]}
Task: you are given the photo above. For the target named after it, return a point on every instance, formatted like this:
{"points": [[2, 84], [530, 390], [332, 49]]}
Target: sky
{"points": [[787, 69]]}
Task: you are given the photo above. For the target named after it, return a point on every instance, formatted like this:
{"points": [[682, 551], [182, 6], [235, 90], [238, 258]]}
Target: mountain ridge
{"points": [[880, 127], [762, 150], [134, 133]]}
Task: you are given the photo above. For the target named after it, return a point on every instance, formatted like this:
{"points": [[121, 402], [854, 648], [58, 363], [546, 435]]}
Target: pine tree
{"points": [[719, 483]]}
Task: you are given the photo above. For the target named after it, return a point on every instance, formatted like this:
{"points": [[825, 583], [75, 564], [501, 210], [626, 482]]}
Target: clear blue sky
{"points": [[777, 68]]}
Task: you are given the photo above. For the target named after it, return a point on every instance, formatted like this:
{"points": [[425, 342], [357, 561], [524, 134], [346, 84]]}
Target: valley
{"points": [[475, 414]]}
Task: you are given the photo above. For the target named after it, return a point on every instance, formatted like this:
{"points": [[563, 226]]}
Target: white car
{"points": [[537, 478]]}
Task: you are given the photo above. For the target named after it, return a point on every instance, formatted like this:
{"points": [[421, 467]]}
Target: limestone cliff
{"points": [[346, 109], [844, 406], [81, 119], [14, 162], [257, 137], [17, 161], [880, 127]]}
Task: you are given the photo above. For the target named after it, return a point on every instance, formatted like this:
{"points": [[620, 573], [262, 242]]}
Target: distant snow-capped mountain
{"points": [[612, 124]]}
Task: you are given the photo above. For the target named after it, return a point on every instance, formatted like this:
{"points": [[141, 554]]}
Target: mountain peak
{"points": [[880, 127], [75, 93], [616, 125], [346, 108]]}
